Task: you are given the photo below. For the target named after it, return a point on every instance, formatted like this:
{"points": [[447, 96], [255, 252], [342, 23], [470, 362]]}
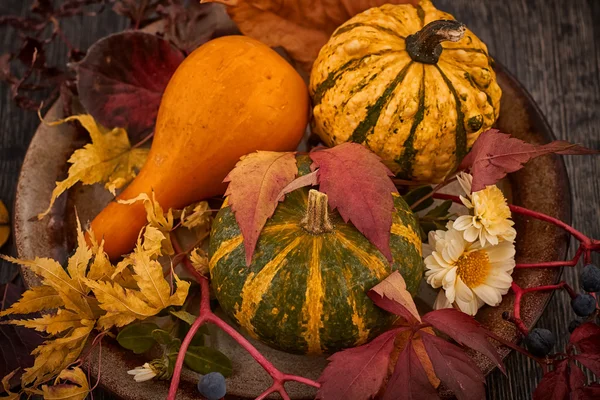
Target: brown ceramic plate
{"points": [[542, 185]]}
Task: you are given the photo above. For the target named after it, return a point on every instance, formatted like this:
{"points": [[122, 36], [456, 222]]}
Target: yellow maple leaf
{"points": [[55, 355], [38, 298], [157, 219], [101, 269], [109, 159], [199, 260], [52, 323], [77, 389], [6, 386]]}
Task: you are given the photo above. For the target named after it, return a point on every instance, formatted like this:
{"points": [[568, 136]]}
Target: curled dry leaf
{"points": [[196, 215], [4, 224], [6, 386], [199, 260], [122, 79], [70, 384], [109, 159], [496, 154], [302, 27], [391, 295], [254, 187]]}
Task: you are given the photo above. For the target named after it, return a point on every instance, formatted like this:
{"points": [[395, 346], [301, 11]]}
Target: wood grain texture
{"points": [[553, 48]]}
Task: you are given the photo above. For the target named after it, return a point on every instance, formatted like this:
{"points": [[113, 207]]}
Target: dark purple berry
{"points": [[583, 304], [539, 342], [590, 278], [212, 386], [574, 325]]}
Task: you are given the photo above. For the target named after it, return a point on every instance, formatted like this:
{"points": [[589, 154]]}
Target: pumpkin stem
{"points": [[316, 220], [425, 45]]}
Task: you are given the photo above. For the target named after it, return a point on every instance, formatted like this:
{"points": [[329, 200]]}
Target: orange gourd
{"points": [[230, 97]]}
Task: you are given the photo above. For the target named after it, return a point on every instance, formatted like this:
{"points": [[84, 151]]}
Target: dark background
{"points": [[551, 46]]}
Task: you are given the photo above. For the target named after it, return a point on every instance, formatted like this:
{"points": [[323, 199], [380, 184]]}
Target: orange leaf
{"points": [[302, 27], [254, 189], [400, 343]]}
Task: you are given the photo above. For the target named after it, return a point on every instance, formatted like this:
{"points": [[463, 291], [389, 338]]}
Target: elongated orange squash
{"points": [[232, 96]]}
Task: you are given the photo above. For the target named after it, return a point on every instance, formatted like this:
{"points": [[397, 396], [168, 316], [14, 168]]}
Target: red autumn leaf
{"points": [[496, 154], [455, 369], [305, 180], [391, 295], [465, 330], [591, 361], [576, 377], [359, 372], [358, 185], [254, 187], [553, 385], [409, 380], [590, 392], [587, 338], [122, 79]]}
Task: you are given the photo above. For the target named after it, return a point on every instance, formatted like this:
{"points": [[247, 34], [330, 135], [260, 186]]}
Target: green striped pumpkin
{"points": [[386, 80], [305, 291]]}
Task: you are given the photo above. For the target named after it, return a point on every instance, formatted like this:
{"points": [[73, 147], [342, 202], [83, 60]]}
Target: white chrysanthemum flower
{"points": [[143, 373], [470, 274], [490, 221]]}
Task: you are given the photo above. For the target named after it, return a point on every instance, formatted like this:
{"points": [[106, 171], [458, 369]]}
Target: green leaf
{"points": [[163, 337], [417, 194], [206, 359], [198, 339], [440, 211], [137, 337], [184, 316]]}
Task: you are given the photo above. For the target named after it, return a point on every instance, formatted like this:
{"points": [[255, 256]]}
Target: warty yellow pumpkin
{"points": [[410, 83]]}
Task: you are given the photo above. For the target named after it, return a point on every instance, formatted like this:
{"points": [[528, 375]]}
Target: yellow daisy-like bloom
{"points": [[490, 221], [469, 274]]}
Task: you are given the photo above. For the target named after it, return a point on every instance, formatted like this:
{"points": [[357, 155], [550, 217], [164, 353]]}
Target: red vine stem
{"points": [[206, 315]]}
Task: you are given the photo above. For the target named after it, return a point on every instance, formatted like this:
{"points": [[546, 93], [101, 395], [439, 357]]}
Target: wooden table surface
{"points": [[551, 46]]}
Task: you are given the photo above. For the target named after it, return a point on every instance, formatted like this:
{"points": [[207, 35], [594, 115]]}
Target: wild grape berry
{"points": [[539, 342], [574, 325], [212, 386], [583, 304], [590, 278]]}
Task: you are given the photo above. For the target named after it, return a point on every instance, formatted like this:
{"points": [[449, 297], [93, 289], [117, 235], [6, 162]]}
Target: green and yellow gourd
{"points": [[410, 83], [306, 288]]}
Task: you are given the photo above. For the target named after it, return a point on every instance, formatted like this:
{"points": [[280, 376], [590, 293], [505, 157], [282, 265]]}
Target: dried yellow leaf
{"points": [[6, 386], [199, 260], [157, 219], [38, 298], [52, 323], [109, 159], [196, 215], [4, 224], [77, 389]]}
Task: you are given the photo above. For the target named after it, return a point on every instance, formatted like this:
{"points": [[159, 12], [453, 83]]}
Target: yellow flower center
{"points": [[473, 268]]}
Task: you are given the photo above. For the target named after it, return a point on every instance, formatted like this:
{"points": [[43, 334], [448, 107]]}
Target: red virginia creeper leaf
{"points": [[587, 338], [359, 372], [590, 392], [254, 187], [455, 369], [553, 385], [409, 380], [465, 330], [576, 377], [496, 154], [305, 180], [391, 295], [122, 79], [358, 185], [591, 361]]}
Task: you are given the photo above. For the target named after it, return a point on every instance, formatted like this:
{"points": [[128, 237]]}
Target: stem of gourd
{"points": [[424, 46], [316, 220]]}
